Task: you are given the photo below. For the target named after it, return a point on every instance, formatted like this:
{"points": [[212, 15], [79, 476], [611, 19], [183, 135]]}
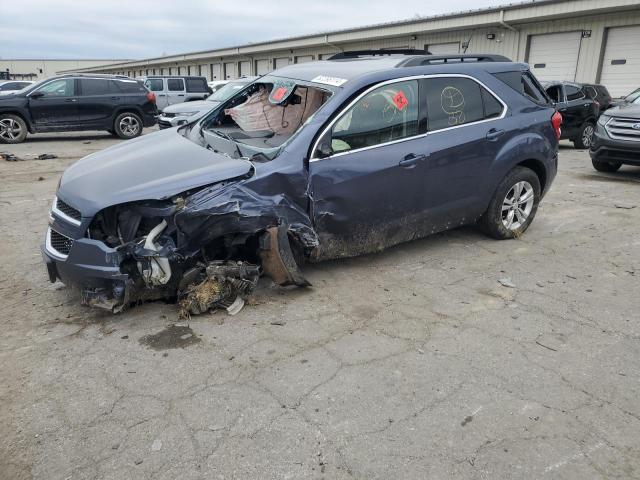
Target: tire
{"points": [[606, 166], [13, 129], [127, 125], [503, 220], [583, 140]]}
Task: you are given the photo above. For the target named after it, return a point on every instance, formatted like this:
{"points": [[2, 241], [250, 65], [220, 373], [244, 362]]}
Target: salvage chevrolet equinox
{"points": [[314, 161]]}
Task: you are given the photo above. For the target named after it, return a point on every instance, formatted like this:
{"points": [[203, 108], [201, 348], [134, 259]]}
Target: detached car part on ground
{"points": [[315, 161]]}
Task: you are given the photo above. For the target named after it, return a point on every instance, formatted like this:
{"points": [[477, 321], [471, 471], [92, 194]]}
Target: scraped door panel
{"points": [[365, 201]]}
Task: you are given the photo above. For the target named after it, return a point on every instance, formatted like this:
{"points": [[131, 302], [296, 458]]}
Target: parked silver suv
{"points": [[174, 89], [175, 115]]}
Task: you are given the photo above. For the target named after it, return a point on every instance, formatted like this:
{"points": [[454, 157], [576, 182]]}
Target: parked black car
{"points": [[616, 140], [579, 112], [314, 161], [599, 94], [118, 104]]}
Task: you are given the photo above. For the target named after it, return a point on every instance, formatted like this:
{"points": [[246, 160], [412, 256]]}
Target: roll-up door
{"points": [[554, 56], [621, 61]]}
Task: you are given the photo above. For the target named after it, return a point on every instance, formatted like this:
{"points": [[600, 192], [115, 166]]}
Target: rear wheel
{"points": [[127, 125], [13, 129], [583, 140], [513, 206], [606, 166]]}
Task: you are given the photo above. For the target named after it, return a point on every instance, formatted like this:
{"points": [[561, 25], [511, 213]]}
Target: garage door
{"points": [[245, 69], [282, 62], [229, 70], [555, 56], [216, 74], [444, 48], [621, 61], [263, 67]]}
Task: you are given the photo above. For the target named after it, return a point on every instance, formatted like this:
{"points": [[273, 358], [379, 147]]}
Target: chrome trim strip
{"points": [[405, 79], [62, 215], [50, 249], [622, 123]]}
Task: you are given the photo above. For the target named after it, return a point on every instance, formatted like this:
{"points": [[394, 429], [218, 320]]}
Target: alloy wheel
{"points": [[10, 129], [517, 205], [587, 133], [129, 126]]}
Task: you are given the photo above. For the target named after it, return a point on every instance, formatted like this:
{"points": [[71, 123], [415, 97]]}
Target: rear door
{"points": [[368, 173], [575, 109], [175, 90], [467, 129], [96, 102], [58, 105], [157, 86]]}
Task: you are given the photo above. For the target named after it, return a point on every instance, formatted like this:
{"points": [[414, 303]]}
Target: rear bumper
{"points": [[606, 149], [149, 120]]}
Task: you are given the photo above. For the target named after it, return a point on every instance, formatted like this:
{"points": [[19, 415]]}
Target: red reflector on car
{"points": [[556, 121]]}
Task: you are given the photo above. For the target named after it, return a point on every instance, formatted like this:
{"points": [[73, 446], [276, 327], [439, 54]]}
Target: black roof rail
{"points": [[452, 58], [377, 53]]}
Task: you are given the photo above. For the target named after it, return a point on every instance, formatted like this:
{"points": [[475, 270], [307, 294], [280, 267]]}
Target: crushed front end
{"points": [[198, 248]]}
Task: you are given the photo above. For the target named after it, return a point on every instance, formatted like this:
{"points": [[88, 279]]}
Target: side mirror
{"points": [[36, 95]]}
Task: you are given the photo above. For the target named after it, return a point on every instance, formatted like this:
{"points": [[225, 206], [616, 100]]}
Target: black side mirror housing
{"points": [[36, 95]]}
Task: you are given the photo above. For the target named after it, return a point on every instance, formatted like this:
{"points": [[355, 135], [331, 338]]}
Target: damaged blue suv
{"points": [[314, 161]]}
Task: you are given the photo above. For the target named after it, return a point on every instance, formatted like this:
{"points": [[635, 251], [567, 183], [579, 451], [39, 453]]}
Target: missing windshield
{"points": [[261, 119]]}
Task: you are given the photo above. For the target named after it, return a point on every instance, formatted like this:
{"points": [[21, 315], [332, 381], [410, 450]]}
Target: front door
{"points": [[55, 104], [156, 85], [368, 174], [175, 91]]}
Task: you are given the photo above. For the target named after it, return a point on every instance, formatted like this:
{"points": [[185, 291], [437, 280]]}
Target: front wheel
{"points": [[583, 140], [13, 129], [513, 206], [606, 166], [127, 125]]}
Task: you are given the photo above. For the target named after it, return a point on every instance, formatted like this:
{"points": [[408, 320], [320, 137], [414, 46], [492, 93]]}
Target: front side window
{"points": [[59, 88], [175, 84], [154, 84], [388, 113]]}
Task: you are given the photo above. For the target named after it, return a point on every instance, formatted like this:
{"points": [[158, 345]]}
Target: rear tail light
{"points": [[556, 121], [151, 97]]}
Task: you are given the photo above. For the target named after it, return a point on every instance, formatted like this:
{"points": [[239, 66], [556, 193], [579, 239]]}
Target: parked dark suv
{"points": [[599, 94], [579, 112], [616, 140], [313, 161], [66, 103]]}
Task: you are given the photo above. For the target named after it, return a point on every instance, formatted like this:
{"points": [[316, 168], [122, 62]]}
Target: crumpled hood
{"points": [[188, 107], [154, 166], [630, 110]]}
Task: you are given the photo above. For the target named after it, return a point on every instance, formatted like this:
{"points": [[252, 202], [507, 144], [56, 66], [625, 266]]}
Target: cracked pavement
{"points": [[414, 363]]}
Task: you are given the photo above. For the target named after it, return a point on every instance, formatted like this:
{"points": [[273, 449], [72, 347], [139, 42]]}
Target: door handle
{"points": [[71, 100], [115, 98], [181, 94], [411, 160], [494, 134]]}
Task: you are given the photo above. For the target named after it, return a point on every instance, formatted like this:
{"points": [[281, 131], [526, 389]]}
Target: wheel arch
{"points": [[538, 168], [20, 114]]}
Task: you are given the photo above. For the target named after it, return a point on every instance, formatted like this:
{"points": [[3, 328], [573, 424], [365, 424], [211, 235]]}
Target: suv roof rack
{"points": [[93, 75], [377, 53], [452, 58]]}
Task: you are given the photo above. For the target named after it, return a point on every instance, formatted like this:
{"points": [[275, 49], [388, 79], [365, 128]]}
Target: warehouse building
{"points": [[35, 69], [577, 40]]}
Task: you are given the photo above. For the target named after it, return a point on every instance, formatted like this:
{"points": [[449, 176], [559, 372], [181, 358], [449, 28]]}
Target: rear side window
{"points": [[197, 85], [457, 101], [591, 92], [573, 93], [127, 86], [524, 83], [602, 90], [154, 84], [94, 86], [175, 84], [388, 113]]}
